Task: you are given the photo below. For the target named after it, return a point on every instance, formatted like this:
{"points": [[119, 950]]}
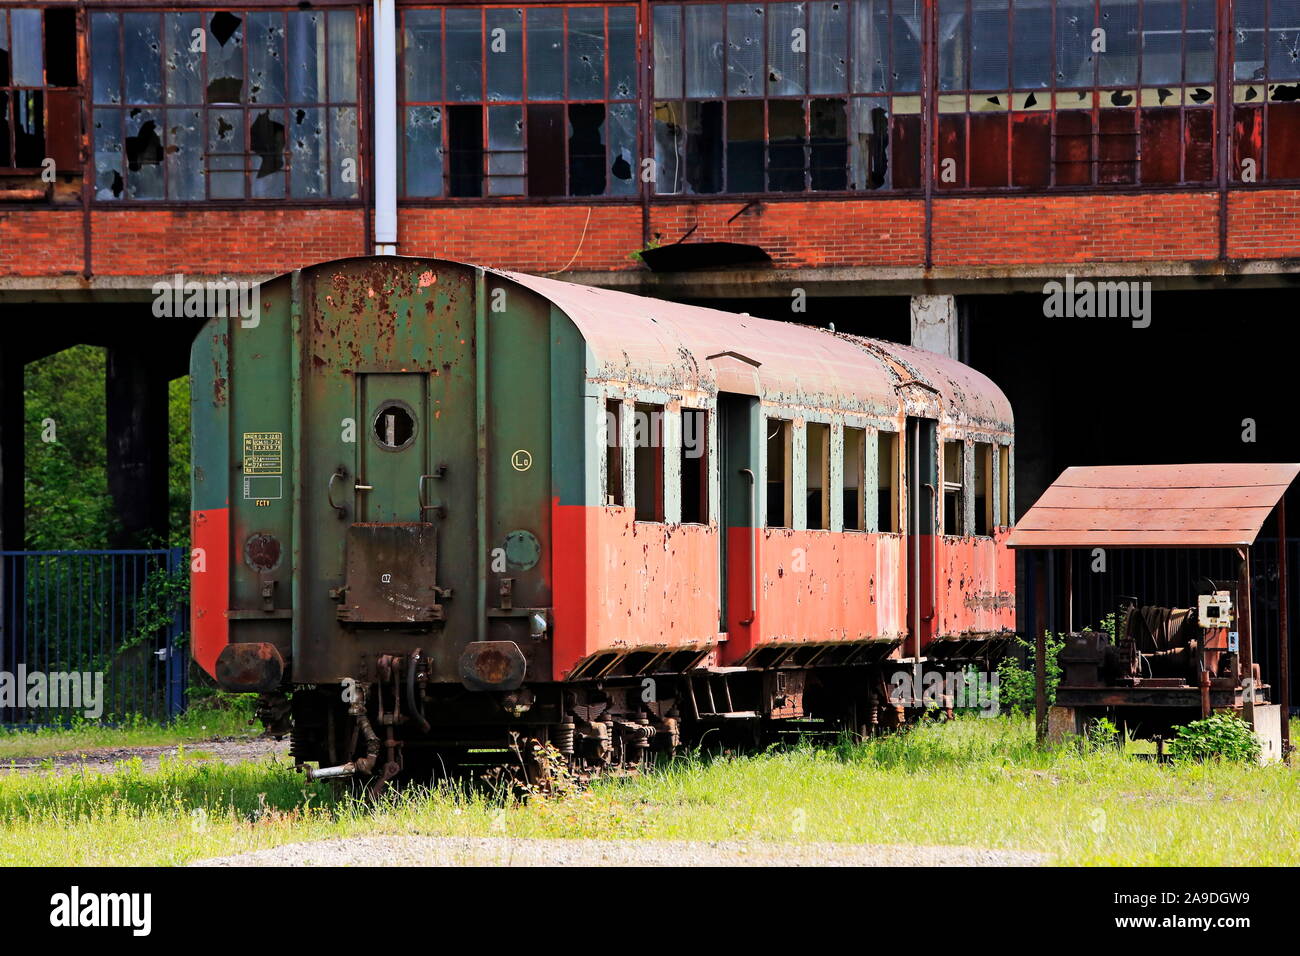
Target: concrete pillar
{"points": [[934, 324], [136, 418]]}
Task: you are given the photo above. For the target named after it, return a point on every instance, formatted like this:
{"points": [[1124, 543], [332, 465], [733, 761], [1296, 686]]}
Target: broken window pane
{"points": [[623, 56], [744, 49], [422, 56], [26, 67], [545, 54], [1074, 62], [225, 43], [306, 56], [141, 57], [506, 151], [670, 149], [465, 150], [586, 148], [1284, 40], [871, 46], [785, 153], [29, 128], [668, 51], [622, 149], [954, 58], [226, 154], [547, 175], [266, 143], [60, 47], [306, 153], [787, 46], [184, 154], [704, 148], [423, 158], [106, 58], [109, 183], [1200, 41], [827, 47], [342, 56], [870, 148], [704, 50], [505, 61], [183, 66], [464, 41], [586, 53], [1118, 65], [745, 146], [1031, 44], [907, 23], [1248, 34], [828, 128], [144, 155], [988, 45], [345, 161], [266, 69]]}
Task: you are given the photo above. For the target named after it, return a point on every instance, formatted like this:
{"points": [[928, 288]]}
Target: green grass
{"points": [[228, 716], [971, 782]]}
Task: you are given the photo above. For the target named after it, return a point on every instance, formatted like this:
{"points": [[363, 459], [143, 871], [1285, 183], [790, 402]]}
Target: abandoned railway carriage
{"points": [[446, 505]]}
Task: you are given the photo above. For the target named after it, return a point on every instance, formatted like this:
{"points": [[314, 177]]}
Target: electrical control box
{"points": [[1215, 610]]}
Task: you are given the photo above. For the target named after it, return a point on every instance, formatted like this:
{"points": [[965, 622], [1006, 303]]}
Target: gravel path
{"points": [[502, 851], [104, 760]]}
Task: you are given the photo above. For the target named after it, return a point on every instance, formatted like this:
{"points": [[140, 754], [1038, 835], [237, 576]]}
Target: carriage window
{"points": [[983, 488], [648, 462], [953, 501], [1004, 476], [613, 453], [818, 470], [695, 466], [887, 482], [780, 461], [854, 444]]}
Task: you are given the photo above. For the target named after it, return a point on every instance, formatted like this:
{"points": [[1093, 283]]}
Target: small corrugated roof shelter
{"points": [[1165, 506], [1155, 506]]}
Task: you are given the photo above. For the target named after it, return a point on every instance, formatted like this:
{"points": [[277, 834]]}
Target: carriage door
{"points": [[391, 446], [391, 548], [922, 513], [739, 488]]}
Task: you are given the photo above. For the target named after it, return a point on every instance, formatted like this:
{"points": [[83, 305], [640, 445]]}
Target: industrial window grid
{"points": [[513, 130], [1258, 103], [206, 144], [1124, 96], [1265, 121], [780, 98], [40, 103]]}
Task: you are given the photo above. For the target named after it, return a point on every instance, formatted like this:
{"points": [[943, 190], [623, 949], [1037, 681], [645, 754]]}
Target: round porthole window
{"points": [[394, 427]]}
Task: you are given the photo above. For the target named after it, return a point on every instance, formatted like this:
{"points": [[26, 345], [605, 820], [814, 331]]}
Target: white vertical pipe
{"points": [[385, 113]]}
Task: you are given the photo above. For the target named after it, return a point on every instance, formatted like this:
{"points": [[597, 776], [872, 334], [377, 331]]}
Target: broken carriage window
{"points": [[39, 108], [567, 127], [1266, 107], [225, 104]]}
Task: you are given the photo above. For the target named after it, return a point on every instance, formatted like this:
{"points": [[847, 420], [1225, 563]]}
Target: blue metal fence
{"points": [[99, 635]]}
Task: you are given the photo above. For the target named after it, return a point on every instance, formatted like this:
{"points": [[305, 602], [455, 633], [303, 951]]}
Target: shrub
{"points": [[1218, 737], [1016, 683]]}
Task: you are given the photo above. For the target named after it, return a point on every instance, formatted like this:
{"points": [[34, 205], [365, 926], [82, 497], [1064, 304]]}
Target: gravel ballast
{"points": [[504, 851]]}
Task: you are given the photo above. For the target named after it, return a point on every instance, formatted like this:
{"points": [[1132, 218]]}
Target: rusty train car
{"points": [[442, 510]]}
